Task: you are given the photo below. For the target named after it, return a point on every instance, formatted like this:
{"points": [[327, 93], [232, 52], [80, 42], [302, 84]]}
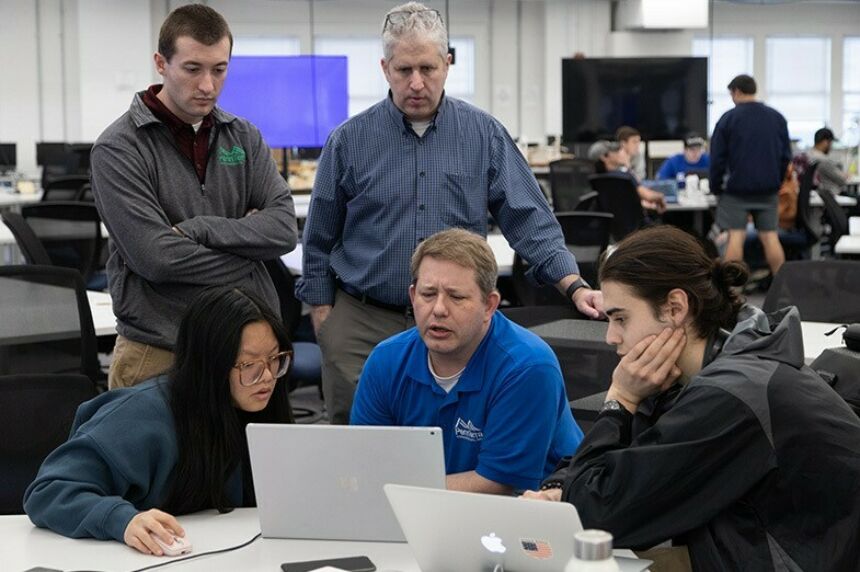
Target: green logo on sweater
{"points": [[235, 156]]}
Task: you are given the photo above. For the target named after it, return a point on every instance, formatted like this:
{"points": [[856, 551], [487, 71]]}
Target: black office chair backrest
{"points": [[822, 290], [836, 217], [568, 181], [46, 325], [64, 188], [587, 235], [85, 195], [28, 243], [803, 219], [617, 195], [840, 368], [36, 414], [285, 285], [587, 202], [70, 231]]}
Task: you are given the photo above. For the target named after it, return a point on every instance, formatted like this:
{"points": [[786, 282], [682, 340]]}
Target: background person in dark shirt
{"points": [[750, 151]]}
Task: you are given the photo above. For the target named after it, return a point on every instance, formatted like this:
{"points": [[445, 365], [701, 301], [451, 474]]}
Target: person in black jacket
{"points": [[714, 433]]}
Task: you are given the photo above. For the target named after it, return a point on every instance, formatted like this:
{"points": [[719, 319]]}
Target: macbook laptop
{"points": [[453, 531], [325, 482]]}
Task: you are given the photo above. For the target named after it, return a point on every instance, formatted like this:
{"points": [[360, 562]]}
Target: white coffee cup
{"points": [[692, 183], [854, 226]]}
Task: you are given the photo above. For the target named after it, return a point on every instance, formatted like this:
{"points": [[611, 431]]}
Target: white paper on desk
{"points": [[329, 569]]}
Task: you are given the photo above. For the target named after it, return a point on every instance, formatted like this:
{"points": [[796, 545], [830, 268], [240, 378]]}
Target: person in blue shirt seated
{"points": [[694, 157], [174, 444], [494, 388]]}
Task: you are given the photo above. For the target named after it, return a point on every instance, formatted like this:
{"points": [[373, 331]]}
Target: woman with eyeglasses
{"points": [[175, 444]]}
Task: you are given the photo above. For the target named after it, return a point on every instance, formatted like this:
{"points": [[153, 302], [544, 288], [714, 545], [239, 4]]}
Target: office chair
{"points": [[822, 290], [64, 188], [70, 232], [28, 243], [586, 235], [307, 357], [840, 368], [587, 202], [36, 415], [46, 326], [835, 217], [568, 181], [618, 195]]}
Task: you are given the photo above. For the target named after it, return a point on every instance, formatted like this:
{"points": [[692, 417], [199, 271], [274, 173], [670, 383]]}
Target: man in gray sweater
{"points": [[189, 193]]}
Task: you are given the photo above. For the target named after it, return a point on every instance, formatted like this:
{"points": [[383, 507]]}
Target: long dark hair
{"points": [[209, 432], [653, 261]]}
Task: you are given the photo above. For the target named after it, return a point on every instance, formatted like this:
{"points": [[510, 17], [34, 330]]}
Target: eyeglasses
{"points": [[396, 18], [251, 372]]}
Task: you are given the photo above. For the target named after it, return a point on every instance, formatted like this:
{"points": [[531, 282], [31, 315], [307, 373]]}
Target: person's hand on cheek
{"points": [[649, 368]]}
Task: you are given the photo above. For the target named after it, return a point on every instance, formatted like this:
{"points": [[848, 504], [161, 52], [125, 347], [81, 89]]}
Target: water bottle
{"points": [[592, 552]]}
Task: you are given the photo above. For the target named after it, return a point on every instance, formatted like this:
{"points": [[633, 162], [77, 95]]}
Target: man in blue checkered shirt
{"points": [[413, 164]]}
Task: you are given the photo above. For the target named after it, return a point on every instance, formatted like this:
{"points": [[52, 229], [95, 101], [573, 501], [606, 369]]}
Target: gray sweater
{"points": [[143, 187]]}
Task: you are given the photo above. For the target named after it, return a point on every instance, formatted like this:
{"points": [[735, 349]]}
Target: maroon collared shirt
{"points": [[194, 146]]}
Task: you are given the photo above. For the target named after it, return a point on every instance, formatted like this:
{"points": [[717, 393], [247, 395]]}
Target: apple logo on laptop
{"points": [[493, 543]]}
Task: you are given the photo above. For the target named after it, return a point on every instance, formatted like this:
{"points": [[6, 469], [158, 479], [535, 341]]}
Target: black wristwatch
{"points": [[613, 405], [574, 286]]}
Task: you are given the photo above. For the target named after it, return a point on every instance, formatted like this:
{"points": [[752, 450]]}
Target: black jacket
{"points": [[753, 465]]}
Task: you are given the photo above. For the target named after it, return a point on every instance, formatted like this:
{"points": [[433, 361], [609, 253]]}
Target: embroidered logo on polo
{"points": [[235, 156], [466, 430]]}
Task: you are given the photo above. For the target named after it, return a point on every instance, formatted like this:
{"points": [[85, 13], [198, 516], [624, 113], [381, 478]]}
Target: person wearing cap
{"points": [[750, 152], [610, 157], [693, 157], [414, 164], [828, 174]]}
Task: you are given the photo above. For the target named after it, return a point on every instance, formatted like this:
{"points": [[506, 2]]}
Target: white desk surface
{"points": [[25, 546], [848, 244], [302, 202], [814, 340], [8, 200], [102, 310], [501, 249]]}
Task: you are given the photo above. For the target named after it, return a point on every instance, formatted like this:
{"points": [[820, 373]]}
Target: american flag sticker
{"points": [[537, 549]]}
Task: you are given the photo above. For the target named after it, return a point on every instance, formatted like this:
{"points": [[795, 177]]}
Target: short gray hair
{"points": [[413, 25]]}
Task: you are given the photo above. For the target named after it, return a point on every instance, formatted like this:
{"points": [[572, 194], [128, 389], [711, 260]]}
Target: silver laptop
{"points": [[454, 531], [325, 482]]}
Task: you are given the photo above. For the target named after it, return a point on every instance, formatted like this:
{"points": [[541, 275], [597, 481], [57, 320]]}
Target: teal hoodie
{"points": [[118, 461]]}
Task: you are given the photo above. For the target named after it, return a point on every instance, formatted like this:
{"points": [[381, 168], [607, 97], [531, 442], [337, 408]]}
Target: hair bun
{"points": [[730, 273]]}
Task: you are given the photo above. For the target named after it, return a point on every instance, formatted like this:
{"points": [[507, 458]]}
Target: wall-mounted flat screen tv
{"points": [[664, 98], [295, 101]]}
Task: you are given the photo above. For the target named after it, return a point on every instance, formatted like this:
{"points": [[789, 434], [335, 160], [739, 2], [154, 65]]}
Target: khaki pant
{"points": [[346, 338], [134, 362]]}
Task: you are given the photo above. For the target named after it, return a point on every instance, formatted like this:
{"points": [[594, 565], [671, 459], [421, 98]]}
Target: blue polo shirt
{"points": [[507, 418], [678, 164]]}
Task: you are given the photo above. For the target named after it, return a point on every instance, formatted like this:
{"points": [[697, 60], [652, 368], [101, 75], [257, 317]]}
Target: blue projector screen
{"points": [[295, 101]]}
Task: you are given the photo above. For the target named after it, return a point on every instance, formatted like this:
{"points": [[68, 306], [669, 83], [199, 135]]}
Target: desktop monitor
{"points": [[295, 101], [62, 159], [8, 158], [664, 98]]}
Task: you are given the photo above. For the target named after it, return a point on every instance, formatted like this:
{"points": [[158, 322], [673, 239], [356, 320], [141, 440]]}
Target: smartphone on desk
{"points": [[351, 564]]}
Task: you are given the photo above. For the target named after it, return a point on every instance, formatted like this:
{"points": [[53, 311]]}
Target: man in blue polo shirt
{"points": [[493, 387]]}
